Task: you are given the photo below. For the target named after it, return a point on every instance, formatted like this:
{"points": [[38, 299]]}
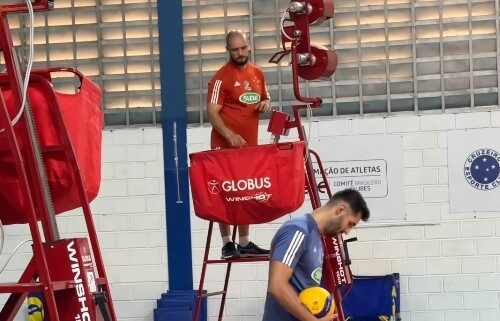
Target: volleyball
{"points": [[35, 309], [318, 301]]}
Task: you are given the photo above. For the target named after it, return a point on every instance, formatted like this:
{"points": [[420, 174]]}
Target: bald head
{"points": [[233, 34], [237, 47]]}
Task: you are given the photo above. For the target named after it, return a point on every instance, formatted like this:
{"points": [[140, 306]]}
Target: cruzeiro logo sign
{"points": [[250, 98], [482, 169]]}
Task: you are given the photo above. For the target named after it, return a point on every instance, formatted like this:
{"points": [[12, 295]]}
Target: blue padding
{"points": [[181, 314], [372, 296], [178, 305]]}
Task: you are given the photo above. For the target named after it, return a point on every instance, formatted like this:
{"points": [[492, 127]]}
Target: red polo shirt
{"points": [[237, 91]]}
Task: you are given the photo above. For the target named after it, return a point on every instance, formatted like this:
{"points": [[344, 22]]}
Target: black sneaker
{"points": [[229, 251], [251, 249]]}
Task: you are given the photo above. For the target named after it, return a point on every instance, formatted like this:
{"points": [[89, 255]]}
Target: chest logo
{"points": [[247, 85], [316, 275], [250, 98], [237, 84]]}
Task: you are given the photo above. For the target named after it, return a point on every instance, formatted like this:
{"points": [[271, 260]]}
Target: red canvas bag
{"points": [[248, 185], [83, 121]]}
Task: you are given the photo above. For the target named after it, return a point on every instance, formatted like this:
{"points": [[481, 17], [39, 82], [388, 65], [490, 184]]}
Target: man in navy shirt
{"points": [[297, 254]]}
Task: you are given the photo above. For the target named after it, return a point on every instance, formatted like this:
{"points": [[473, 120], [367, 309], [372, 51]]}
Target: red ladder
{"points": [[43, 272], [228, 262]]}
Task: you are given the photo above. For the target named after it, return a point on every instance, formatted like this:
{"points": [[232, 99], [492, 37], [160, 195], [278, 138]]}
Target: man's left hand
{"points": [[263, 106]]}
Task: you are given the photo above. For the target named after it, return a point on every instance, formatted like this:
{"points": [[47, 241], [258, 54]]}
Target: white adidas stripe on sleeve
{"points": [[293, 247], [267, 92], [215, 92]]}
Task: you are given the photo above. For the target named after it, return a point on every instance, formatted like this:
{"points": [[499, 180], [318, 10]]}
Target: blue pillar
{"points": [[177, 304]]}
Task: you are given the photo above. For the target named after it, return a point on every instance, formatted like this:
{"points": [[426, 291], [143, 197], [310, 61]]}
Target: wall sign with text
{"points": [[371, 164], [366, 176]]}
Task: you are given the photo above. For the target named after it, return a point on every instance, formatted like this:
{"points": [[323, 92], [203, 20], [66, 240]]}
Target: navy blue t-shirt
{"points": [[298, 244]]}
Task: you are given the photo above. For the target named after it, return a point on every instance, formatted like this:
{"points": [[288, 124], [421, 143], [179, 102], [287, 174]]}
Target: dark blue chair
{"points": [[373, 298]]}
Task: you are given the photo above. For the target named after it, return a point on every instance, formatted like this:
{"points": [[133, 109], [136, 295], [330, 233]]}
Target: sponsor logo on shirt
{"points": [[316, 275], [250, 98], [237, 84], [247, 85]]}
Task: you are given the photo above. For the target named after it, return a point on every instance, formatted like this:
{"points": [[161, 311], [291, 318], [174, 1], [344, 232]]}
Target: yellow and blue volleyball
{"points": [[318, 301], [35, 309]]}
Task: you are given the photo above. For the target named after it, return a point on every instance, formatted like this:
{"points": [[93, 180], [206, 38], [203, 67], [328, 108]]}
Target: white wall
{"points": [[449, 263]]}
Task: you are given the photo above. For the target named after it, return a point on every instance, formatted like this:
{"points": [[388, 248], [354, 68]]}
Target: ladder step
{"points": [[101, 281], [20, 287], [205, 295], [37, 286], [63, 285]]}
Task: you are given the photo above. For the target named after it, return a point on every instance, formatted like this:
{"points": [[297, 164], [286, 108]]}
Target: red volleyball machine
{"points": [[312, 62], [49, 164]]}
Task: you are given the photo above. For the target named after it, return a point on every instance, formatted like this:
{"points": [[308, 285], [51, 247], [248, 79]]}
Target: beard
{"points": [[240, 61], [334, 228]]}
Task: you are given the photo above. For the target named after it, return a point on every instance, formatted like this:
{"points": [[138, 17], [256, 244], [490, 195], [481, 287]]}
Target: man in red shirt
{"points": [[236, 95]]}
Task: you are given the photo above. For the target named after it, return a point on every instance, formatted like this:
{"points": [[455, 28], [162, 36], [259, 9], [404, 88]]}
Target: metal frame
{"points": [[27, 163], [206, 261], [37, 268]]}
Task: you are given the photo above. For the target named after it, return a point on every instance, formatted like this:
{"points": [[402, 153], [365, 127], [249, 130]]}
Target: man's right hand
{"points": [[329, 318], [235, 140]]}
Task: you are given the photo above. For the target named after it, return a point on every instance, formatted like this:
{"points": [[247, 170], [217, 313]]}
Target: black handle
{"points": [[101, 300], [346, 251]]}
